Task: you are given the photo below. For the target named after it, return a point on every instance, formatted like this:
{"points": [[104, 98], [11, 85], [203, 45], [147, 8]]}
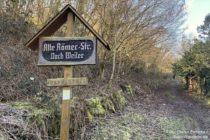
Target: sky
{"points": [[197, 10]]}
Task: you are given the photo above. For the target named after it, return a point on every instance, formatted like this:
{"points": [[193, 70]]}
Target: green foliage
{"points": [[204, 29], [108, 104], [90, 116], [119, 100], [37, 115], [37, 120], [196, 63], [22, 105], [130, 90], [95, 107]]}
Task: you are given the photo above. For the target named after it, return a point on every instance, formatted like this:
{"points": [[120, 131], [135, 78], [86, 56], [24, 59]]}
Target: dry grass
{"points": [[22, 80]]}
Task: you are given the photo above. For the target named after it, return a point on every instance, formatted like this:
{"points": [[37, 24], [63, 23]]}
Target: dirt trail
{"points": [[188, 106], [167, 114]]}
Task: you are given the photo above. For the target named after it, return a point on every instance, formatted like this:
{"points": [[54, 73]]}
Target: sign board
{"points": [[67, 82], [67, 51]]}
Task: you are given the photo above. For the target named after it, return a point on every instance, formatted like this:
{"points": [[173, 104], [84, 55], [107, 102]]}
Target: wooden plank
{"points": [[65, 112], [49, 29], [68, 73], [56, 38], [60, 82], [56, 22], [90, 28]]}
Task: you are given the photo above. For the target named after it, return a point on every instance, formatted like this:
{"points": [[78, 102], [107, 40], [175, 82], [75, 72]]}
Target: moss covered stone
{"points": [[90, 116], [95, 107], [108, 105], [130, 90], [22, 105], [119, 100], [37, 114]]}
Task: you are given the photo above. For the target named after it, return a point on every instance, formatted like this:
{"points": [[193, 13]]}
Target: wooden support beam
{"points": [[61, 82], [67, 91]]}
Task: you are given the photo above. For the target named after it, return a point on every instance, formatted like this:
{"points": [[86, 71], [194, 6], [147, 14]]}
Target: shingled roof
{"points": [[56, 22]]}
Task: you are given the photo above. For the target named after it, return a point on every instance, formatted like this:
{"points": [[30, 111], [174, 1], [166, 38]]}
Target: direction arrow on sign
{"points": [[67, 82]]}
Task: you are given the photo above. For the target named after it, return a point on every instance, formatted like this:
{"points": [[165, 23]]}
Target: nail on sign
{"points": [[67, 51]]}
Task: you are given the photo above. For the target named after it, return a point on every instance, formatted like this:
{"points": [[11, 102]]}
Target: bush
{"points": [[195, 67]]}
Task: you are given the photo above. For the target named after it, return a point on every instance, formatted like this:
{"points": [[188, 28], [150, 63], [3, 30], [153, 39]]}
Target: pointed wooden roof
{"points": [[56, 22]]}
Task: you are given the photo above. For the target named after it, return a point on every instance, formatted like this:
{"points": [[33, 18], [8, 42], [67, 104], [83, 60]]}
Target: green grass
{"points": [[38, 114], [171, 127], [125, 127]]}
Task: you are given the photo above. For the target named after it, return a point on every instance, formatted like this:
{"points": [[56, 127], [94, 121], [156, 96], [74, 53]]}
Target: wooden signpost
{"points": [[66, 51]]}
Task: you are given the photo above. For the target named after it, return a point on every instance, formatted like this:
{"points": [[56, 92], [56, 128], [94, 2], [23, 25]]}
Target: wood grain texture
{"points": [[61, 82], [68, 73], [56, 22]]}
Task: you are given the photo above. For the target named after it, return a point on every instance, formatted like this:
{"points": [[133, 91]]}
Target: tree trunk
{"points": [[190, 87], [102, 65], [120, 64], [113, 68]]}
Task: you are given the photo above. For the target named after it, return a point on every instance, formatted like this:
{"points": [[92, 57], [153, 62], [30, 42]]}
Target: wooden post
{"points": [[67, 91]]}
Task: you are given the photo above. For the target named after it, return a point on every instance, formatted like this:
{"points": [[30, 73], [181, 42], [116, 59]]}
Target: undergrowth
{"points": [[121, 128]]}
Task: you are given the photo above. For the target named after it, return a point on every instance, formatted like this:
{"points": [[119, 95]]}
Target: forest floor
{"points": [[169, 113]]}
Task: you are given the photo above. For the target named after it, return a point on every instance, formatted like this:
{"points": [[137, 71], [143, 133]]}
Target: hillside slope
{"points": [[168, 113]]}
